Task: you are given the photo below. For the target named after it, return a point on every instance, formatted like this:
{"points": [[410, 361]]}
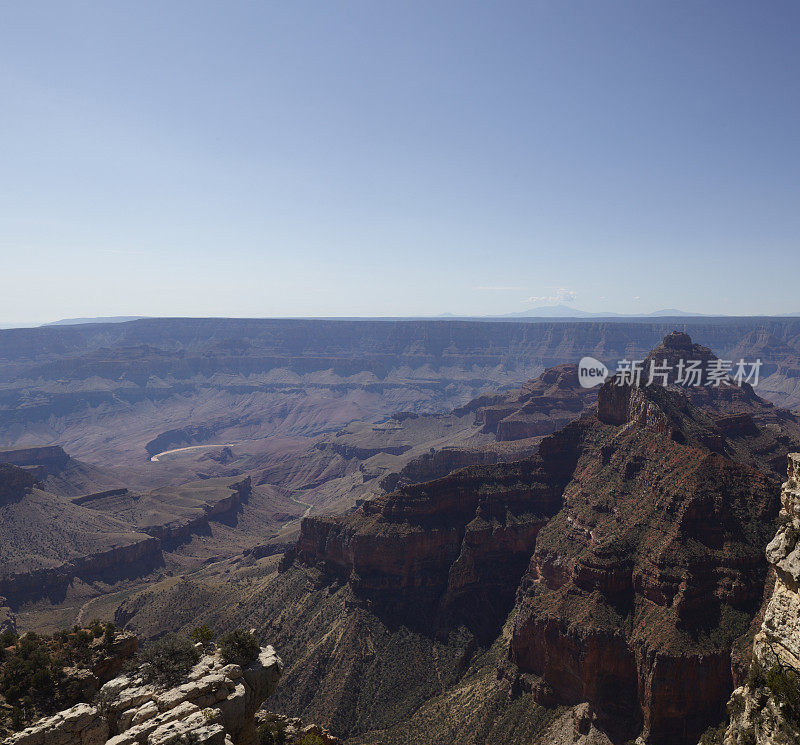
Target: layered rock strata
{"points": [[631, 544]]}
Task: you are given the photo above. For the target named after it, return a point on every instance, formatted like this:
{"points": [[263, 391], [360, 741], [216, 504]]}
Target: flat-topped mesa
{"points": [[215, 705], [50, 457], [460, 541]]}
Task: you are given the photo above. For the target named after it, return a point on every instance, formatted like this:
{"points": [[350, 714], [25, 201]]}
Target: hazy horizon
{"points": [[361, 159], [543, 312]]}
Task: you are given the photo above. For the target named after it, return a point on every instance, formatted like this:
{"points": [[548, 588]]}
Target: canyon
{"points": [[479, 549], [613, 568], [107, 392]]}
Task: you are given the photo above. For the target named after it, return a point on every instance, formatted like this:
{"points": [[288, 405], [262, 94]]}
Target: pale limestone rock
{"points": [[80, 725], [196, 729], [234, 672], [215, 706], [141, 732], [145, 712], [756, 716]]}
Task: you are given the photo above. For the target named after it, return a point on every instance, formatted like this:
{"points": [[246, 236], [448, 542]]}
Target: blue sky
{"points": [[384, 158]]}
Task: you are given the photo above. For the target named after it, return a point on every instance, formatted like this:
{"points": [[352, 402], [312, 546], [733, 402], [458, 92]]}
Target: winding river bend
{"points": [[158, 456]]}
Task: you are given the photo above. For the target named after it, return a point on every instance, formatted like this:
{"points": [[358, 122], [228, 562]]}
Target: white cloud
{"points": [[562, 295], [637, 298]]}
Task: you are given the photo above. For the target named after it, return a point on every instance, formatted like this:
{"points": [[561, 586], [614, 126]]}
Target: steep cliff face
{"points": [[455, 545], [52, 459], [634, 539], [639, 586], [766, 709]]}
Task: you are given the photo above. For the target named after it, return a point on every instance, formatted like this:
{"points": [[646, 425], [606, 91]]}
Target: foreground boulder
{"points": [[215, 705]]}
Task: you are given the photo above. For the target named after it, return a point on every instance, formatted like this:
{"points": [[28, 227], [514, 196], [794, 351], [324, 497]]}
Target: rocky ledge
{"points": [[215, 705], [765, 711]]}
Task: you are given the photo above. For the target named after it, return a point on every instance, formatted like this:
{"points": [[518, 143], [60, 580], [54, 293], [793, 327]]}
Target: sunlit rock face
{"points": [[215, 705], [761, 709]]}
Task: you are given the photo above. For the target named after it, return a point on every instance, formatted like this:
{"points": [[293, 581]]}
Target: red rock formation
{"points": [[542, 406], [461, 542], [639, 586], [642, 526]]}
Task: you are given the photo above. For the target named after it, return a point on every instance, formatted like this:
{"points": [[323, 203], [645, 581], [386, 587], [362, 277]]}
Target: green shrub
{"points": [[169, 659], [271, 733], [784, 684], [202, 635], [747, 736], [109, 634], [239, 647], [26, 671], [756, 675], [311, 739], [736, 706], [713, 735]]}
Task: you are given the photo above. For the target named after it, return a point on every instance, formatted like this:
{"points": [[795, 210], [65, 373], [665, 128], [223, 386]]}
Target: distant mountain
{"points": [[99, 319], [565, 311], [673, 312], [556, 311]]}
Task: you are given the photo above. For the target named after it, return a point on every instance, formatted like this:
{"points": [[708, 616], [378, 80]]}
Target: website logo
{"points": [[591, 372]]}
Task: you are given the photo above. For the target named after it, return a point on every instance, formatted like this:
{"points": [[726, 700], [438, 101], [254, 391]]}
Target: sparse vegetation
{"points": [[26, 674], [747, 736], [239, 647], [756, 675], [168, 659], [202, 635], [784, 685], [109, 634], [713, 735], [271, 733], [311, 739], [32, 670]]}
